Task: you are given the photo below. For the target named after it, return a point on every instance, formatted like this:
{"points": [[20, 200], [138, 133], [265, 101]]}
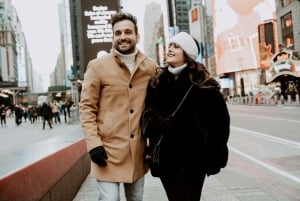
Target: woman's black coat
{"points": [[195, 141]]}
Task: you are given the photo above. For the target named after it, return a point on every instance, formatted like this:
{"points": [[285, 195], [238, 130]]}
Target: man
{"points": [[47, 114], [18, 114], [3, 110], [69, 105], [112, 100]]}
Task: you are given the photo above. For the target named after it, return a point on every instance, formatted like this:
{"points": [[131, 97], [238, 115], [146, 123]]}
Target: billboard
{"points": [[96, 27], [235, 25], [268, 43], [196, 22]]}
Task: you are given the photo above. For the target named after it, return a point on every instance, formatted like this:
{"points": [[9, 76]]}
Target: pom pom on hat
{"points": [[187, 43]]}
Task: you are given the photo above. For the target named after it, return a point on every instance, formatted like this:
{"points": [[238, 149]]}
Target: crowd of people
{"points": [[50, 112]]}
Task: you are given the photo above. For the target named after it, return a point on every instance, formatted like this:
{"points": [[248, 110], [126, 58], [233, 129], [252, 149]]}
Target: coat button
{"points": [[131, 110], [130, 85], [132, 136]]}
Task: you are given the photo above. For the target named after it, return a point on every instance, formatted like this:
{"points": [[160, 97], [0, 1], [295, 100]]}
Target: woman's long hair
{"points": [[199, 74]]}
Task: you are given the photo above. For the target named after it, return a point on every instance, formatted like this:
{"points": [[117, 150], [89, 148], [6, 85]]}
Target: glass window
{"points": [[285, 2], [286, 20], [288, 41]]}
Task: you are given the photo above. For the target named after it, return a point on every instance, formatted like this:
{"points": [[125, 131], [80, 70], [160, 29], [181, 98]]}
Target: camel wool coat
{"points": [[112, 100]]}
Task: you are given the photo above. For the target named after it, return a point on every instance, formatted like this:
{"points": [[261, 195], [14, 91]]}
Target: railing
{"points": [[264, 99]]}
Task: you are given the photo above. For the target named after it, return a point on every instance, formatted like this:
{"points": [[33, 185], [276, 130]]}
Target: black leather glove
{"points": [[98, 156]]}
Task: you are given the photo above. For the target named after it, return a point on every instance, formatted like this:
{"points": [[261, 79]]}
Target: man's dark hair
{"points": [[124, 16]]}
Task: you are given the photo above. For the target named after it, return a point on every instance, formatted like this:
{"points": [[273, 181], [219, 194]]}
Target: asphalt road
{"points": [[265, 147]]}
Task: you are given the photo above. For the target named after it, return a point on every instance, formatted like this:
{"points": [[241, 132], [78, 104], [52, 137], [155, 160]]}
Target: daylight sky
{"points": [[39, 19]]}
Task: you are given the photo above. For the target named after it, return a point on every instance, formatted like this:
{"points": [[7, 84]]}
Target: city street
{"points": [[265, 147], [264, 157]]}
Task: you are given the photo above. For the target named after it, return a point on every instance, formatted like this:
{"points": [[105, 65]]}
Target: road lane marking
{"points": [[267, 117], [267, 166], [267, 137]]}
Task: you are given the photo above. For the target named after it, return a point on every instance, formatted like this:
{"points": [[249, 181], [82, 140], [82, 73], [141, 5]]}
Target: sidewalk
{"points": [[231, 184], [32, 137], [153, 190], [213, 190], [234, 183]]}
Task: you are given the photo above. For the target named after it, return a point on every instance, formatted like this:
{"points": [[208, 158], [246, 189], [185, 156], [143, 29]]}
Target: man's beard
{"points": [[131, 47]]}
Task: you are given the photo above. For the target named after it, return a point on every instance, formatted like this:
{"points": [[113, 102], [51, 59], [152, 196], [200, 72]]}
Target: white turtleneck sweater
{"points": [[176, 71], [128, 59]]}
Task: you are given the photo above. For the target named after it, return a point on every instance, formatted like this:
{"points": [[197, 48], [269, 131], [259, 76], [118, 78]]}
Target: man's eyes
{"points": [[127, 32]]}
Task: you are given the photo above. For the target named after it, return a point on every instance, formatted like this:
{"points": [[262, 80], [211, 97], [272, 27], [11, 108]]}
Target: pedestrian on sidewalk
{"points": [[55, 112], [3, 110], [69, 105], [112, 100], [64, 110], [18, 114], [194, 144], [46, 113]]}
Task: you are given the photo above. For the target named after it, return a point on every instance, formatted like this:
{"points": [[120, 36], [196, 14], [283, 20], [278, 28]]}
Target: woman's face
{"points": [[175, 56]]}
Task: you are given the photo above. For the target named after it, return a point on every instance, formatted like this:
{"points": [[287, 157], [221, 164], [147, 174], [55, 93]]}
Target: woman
{"points": [[195, 140]]}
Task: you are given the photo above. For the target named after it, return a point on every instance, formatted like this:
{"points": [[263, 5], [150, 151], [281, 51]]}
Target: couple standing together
{"points": [[115, 91]]}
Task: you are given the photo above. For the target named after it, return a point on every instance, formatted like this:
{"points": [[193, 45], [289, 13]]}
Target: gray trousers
{"points": [[110, 191]]}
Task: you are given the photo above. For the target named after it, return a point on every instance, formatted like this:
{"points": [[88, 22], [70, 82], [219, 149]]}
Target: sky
{"points": [[137, 7], [39, 19]]}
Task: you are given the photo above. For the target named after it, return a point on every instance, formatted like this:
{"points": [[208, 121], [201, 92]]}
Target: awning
{"points": [[283, 75]]}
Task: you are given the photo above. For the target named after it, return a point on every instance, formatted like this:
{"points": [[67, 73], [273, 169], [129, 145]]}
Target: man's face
{"points": [[125, 38]]}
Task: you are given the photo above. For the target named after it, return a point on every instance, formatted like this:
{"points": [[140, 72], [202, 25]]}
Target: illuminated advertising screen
{"points": [[268, 43], [96, 26], [195, 23], [236, 34]]}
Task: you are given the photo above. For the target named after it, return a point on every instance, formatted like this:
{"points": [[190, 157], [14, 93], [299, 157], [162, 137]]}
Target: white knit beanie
{"points": [[187, 43]]}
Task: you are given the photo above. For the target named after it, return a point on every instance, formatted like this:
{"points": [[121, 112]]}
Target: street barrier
{"points": [[56, 177], [263, 100]]}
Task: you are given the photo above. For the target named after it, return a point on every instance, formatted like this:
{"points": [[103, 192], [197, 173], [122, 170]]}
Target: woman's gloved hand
{"points": [[213, 171]]}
